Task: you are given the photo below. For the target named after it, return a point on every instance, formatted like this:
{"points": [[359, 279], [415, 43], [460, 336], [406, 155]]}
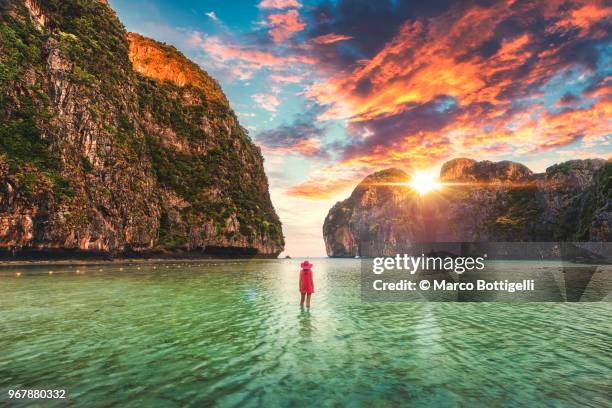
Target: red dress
{"points": [[306, 284]]}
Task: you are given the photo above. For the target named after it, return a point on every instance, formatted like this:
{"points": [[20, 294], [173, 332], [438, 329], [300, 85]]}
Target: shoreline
{"points": [[119, 261], [72, 256]]}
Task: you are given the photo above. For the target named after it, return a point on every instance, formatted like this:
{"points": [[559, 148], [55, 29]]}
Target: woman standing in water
{"points": [[306, 284]]}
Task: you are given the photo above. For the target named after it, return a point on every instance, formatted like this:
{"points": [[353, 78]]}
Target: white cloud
{"points": [[267, 102], [212, 16]]}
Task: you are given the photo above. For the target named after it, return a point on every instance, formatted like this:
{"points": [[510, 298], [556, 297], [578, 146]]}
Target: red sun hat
{"points": [[306, 265]]}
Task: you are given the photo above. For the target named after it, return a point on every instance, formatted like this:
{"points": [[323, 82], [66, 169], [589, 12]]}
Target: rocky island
{"points": [[112, 144], [479, 202]]}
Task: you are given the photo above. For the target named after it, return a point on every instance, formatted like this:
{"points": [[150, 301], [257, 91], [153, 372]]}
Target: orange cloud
{"points": [[440, 57], [284, 25], [587, 15], [330, 39], [322, 188], [546, 132], [420, 63]]}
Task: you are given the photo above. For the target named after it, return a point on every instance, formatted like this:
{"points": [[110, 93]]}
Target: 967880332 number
{"points": [[37, 394]]}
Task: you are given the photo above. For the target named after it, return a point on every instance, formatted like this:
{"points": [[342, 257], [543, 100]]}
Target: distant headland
{"points": [[474, 202]]}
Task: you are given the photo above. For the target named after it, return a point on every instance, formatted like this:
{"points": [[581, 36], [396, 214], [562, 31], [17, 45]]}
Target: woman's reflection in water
{"points": [[305, 321]]}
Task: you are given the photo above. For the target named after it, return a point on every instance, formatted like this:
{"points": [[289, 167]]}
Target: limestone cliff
{"points": [[480, 202], [165, 63], [118, 145]]}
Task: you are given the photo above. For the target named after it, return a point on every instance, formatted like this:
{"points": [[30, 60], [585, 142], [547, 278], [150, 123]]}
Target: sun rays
{"points": [[424, 182]]}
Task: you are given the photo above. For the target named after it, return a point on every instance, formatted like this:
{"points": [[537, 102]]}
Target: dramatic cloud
{"points": [[284, 25], [279, 4], [510, 78]]}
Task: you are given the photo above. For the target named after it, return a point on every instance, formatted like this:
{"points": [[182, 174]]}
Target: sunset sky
{"points": [[334, 90]]}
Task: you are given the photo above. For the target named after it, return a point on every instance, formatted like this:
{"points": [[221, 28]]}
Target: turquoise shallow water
{"points": [[231, 333]]}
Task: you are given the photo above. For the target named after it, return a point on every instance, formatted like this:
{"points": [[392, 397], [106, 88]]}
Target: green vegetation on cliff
{"points": [[517, 214], [597, 201], [101, 149], [22, 146]]}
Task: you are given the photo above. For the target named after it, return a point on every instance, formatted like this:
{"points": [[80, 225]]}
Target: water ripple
{"points": [[229, 333]]}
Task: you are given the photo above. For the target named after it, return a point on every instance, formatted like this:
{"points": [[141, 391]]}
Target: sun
{"points": [[424, 182]]}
